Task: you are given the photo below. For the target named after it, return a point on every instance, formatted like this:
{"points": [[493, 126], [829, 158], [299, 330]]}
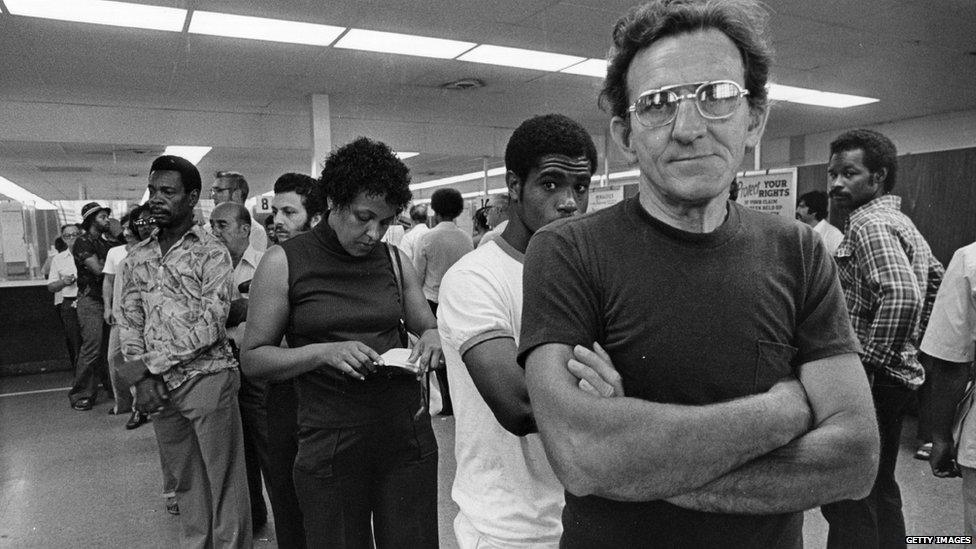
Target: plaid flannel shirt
{"points": [[890, 279]]}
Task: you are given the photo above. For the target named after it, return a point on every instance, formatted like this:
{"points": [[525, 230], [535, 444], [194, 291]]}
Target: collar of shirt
{"points": [[251, 257], [885, 202]]}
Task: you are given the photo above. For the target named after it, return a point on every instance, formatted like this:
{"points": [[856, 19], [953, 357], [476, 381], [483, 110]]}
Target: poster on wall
{"points": [[769, 191], [604, 197]]}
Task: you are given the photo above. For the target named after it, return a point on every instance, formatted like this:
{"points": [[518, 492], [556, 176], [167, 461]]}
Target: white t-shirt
{"points": [[113, 266], [951, 332], [408, 243], [504, 485], [831, 236], [63, 264]]}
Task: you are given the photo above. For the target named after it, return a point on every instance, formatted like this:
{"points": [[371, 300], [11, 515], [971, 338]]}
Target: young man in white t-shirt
{"points": [[507, 493]]}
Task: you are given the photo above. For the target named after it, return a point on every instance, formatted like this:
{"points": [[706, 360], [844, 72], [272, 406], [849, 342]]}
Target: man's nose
{"points": [[568, 203], [689, 124]]}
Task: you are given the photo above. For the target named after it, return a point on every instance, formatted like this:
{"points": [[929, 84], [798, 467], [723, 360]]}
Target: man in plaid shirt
{"points": [[890, 279]]}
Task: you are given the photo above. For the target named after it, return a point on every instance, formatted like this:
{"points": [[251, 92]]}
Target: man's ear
{"points": [[879, 177], [620, 132], [194, 197], [316, 219], [757, 125], [514, 184]]}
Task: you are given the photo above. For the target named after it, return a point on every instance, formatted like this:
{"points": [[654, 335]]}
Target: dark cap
{"points": [[92, 208], [189, 174]]}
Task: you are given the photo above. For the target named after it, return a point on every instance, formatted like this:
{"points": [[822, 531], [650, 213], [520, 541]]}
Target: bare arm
{"points": [[635, 450], [835, 460], [108, 283], [261, 353], [501, 382], [420, 320], [94, 264], [948, 381]]}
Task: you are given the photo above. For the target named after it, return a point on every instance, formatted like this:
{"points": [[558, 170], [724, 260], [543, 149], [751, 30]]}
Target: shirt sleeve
{"points": [[420, 257], [131, 317], [560, 303], [472, 309], [111, 262], [951, 333], [936, 273], [82, 249], [888, 274], [824, 326]]}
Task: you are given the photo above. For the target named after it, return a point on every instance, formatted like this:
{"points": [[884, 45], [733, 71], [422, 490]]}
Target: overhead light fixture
{"points": [[260, 28], [457, 179], [193, 154], [519, 58], [102, 12], [403, 44], [145, 197], [806, 96], [405, 155], [590, 67], [15, 192]]}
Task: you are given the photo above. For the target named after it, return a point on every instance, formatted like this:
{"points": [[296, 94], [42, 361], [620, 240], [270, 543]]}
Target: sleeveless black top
{"points": [[336, 297]]}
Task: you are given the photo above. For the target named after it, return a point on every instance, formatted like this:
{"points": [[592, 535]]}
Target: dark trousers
{"points": [[877, 520], [282, 418], [447, 408], [72, 330], [386, 471], [92, 366], [254, 425]]}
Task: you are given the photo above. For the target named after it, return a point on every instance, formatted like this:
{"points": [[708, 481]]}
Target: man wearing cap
{"points": [[89, 252], [175, 300], [232, 187]]}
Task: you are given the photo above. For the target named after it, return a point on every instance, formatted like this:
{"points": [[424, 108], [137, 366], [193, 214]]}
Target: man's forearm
{"points": [[948, 381], [830, 463]]}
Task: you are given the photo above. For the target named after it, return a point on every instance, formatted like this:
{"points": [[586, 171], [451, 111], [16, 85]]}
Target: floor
{"points": [[79, 479]]}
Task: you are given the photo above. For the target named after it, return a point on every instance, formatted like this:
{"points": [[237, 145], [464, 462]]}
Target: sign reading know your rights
{"points": [[769, 191]]}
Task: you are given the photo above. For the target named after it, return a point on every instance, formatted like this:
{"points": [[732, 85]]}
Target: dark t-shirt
{"points": [[336, 297], [89, 283], [686, 318]]}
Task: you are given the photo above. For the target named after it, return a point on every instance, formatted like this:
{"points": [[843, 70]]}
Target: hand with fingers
{"points": [[595, 371], [942, 462], [353, 358], [427, 352], [151, 395]]}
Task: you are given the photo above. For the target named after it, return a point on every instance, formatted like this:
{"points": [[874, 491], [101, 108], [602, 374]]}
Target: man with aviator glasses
{"points": [[735, 397]]}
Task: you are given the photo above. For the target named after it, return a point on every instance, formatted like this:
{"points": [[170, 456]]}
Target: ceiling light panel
{"points": [[102, 12], [519, 58], [15, 192], [779, 92], [260, 28], [192, 154], [403, 44], [457, 179], [590, 67], [405, 155]]}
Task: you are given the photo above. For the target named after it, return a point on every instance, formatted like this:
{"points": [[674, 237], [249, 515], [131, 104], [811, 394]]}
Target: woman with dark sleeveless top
{"points": [[367, 458]]}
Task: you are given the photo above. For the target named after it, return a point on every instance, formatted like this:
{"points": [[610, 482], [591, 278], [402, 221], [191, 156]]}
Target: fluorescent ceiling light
{"points": [[102, 12], [16, 192], [193, 154], [457, 179], [405, 155], [590, 67], [145, 197], [806, 96], [476, 194], [404, 44], [260, 28], [516, 57]]}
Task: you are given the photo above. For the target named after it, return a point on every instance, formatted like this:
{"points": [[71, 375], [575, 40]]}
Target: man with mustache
{"points": [[232, 187], [176, 295], [890, 279], [738, 399], [290, 207]]}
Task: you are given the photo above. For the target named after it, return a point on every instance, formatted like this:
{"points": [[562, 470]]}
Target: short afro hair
{"points": [[364, 166], [543, 135], [447, 203], [306, 188], [879, 152], [480, 219]]}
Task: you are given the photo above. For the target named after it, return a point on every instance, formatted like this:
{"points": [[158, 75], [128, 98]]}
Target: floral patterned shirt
{"points": [[174, 307]]}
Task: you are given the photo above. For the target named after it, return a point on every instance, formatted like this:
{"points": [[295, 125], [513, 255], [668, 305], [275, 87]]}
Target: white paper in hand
{"points": [[398, 357]]}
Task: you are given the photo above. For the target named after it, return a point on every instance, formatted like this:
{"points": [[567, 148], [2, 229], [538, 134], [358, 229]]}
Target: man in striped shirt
{"points": [[890, 279]]}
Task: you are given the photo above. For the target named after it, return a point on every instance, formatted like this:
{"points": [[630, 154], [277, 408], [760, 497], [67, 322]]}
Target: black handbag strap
{"points": [[393, 253]]}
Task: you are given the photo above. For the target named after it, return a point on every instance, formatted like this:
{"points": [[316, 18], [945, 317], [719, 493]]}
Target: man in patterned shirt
{"points": [[175, 303], [890, 279]]}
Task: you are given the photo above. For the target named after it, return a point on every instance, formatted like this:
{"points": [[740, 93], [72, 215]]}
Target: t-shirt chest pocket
{"points": [[773, 363]]}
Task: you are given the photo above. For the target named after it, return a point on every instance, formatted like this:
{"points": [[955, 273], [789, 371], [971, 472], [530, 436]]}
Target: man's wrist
{"points": [[134, 371]]}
